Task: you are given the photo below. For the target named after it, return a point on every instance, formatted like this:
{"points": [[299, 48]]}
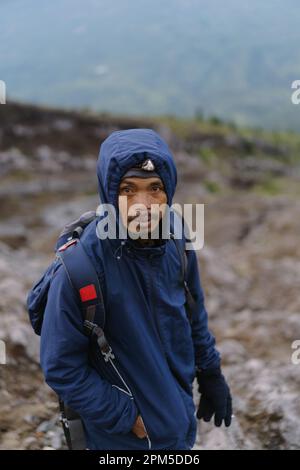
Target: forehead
{"points": [[141, 181]]}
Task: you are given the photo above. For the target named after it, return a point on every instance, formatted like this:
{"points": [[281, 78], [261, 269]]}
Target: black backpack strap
{"points": [[72, 427], [84, 279], [190, 301]]}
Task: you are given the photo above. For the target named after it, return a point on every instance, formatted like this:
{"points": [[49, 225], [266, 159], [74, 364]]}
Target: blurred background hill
{"points": [[236, 61]]}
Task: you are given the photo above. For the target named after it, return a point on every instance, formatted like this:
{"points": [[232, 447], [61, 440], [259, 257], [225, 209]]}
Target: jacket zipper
{"points": [[121, 378]]}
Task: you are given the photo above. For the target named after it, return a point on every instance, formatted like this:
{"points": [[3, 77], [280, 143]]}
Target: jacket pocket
{"points": [[116, 376], [129, 392]]}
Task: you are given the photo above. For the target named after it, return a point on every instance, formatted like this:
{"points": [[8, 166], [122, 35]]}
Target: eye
{"points": [[126, 190], [157, 188]]}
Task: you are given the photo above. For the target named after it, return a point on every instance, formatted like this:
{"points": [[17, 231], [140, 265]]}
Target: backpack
{"points": [[85, 281]]}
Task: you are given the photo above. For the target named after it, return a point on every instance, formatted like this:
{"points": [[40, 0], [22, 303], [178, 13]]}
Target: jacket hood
{"points": [[119, 152], [124, 149]]}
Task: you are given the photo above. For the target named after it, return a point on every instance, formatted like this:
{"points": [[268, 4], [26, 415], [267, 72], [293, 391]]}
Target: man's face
{"points": [[139, 200]]}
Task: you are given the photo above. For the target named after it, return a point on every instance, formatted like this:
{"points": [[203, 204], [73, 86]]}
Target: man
{"points": [[142, 399]]}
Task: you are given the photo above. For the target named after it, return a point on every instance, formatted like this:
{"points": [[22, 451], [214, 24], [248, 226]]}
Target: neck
{"points": [[146, 242]]}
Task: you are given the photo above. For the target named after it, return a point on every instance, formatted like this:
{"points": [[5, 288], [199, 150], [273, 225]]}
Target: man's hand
{"points": [[215, 397], [139, 428]]}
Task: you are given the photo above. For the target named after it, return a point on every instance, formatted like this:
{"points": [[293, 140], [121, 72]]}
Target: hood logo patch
{"points": [[148, 165]]}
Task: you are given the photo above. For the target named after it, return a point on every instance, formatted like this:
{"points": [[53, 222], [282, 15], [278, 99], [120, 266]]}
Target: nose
{"points": [[143, 200]]}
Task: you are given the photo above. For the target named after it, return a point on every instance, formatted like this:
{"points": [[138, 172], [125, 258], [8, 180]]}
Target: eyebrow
{"points": [[126, 181]]}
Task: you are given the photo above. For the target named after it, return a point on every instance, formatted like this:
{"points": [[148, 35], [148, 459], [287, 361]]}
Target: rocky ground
{"points": [[250, 265]]}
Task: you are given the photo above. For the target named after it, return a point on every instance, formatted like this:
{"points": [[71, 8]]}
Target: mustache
{"points": [[143, 215]]}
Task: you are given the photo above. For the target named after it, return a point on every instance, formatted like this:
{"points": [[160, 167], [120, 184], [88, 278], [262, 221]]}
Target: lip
{"points": [[141, 220]]}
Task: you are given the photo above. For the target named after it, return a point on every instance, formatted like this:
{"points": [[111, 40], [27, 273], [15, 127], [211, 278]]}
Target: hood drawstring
{"points": [[119, 251]]}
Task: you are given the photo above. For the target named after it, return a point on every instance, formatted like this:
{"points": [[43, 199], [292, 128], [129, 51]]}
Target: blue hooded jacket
{"points": [[156, 348]]}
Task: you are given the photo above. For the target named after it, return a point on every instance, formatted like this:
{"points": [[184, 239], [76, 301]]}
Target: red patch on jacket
{"points": [[88, 293]]}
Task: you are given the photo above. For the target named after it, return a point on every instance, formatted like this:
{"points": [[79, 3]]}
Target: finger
{"points": [[205, 410], [201, 409], [218, 419], [227, 421], [208, 412], [220, 414], [208, 415], [228, 412]]}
